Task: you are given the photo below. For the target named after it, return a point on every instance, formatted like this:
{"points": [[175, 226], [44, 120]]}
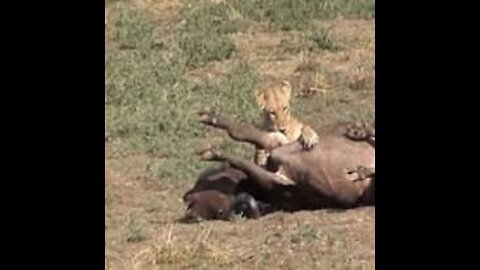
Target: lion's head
{"points": [[274, 100]]}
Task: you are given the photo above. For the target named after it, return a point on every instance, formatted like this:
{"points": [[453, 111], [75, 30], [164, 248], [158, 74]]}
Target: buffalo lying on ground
{"points": [[338, 173]]}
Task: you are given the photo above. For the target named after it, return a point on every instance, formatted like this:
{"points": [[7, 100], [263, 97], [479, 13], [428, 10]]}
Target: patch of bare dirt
{"points": [[164, 10], [130, 194]]}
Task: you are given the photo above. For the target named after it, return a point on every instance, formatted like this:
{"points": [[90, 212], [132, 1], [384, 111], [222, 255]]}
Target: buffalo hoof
{"points": [[359, 132], [209, 153], [359, 173], [208, 116]]}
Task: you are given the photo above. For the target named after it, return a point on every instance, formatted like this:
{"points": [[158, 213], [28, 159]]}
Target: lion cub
{"points": [[274, 102]]}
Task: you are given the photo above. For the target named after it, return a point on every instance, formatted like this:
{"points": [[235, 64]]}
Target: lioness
{"points": [[274, 101]]}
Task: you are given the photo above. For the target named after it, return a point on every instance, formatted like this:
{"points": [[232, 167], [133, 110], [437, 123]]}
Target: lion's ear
{"points": [[285, 83], [261, 100], [286, 87]]}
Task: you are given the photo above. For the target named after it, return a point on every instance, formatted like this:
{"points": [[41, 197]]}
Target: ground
{"points": [[164, 60]]}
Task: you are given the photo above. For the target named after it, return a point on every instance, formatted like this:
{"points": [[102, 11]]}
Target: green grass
{"points": [[134, 28], [203, 32], [153, 109], [298, 14], [150, 107], [136, 229], [108, 2], [324, 39], [304, 232], [150, 102], [314, 39]]}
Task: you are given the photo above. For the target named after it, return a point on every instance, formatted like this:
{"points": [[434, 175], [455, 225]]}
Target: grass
{"points": [[203, 30], [324, 39], [315, 39], [159, 74], [150, 105], [108, 2], [305, 232], [134, 28], [289, 15], [136, 229]]}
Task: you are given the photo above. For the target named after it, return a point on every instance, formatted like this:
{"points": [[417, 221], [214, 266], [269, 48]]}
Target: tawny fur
{"points": [[274, 101]]}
